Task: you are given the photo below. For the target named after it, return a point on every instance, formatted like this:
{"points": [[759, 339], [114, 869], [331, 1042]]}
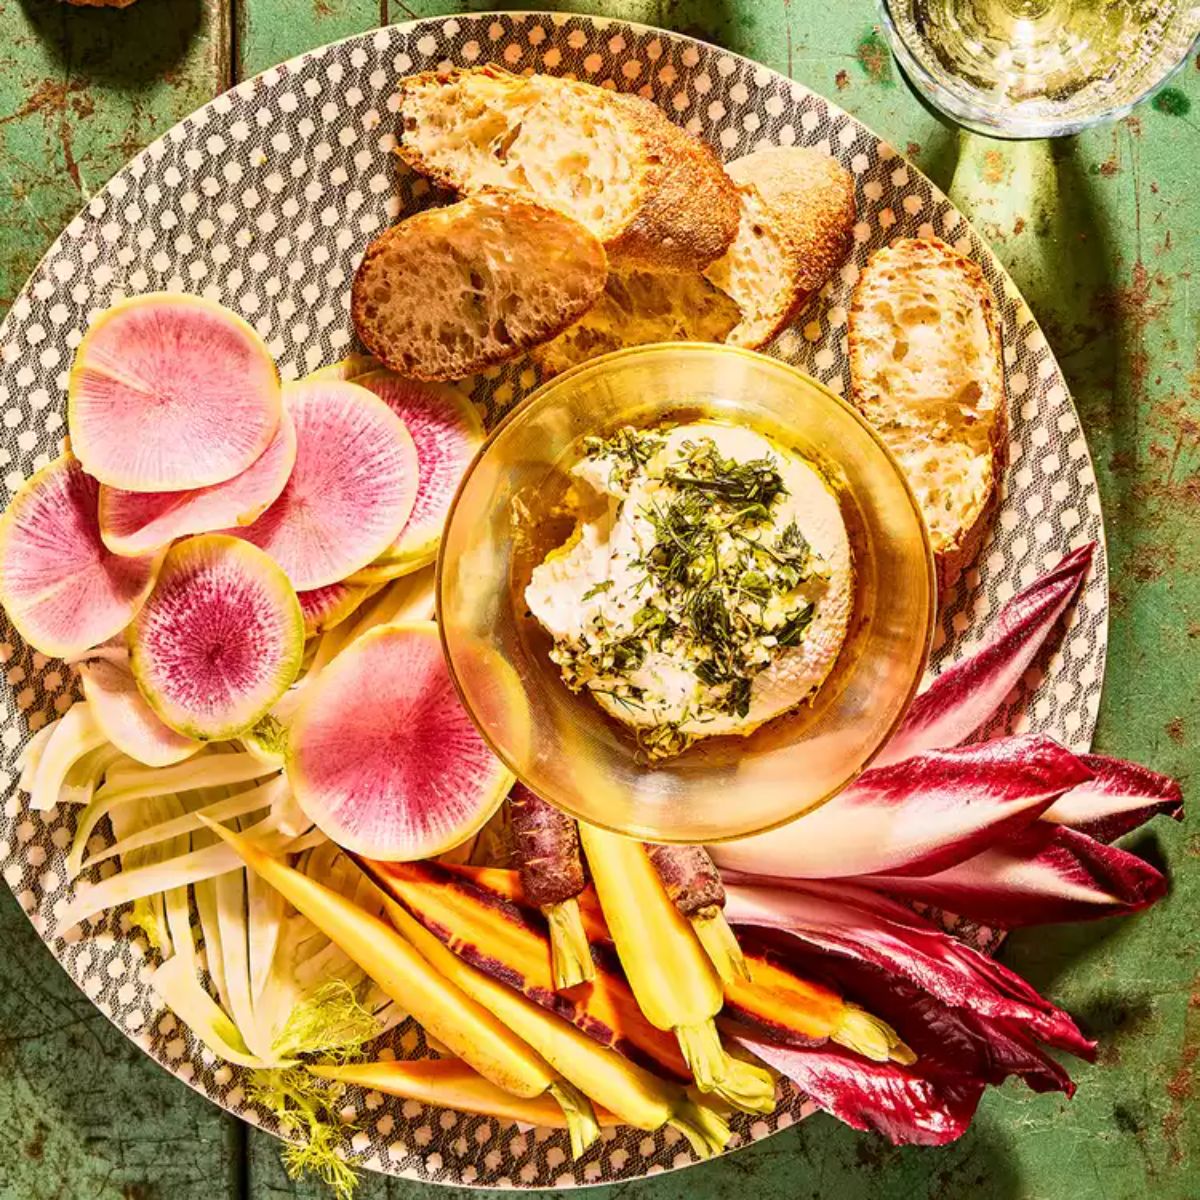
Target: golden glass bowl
{"points": [[509, 512]]}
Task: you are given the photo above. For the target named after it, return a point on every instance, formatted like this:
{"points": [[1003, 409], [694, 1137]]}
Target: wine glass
{"points": [[1039, 68]]}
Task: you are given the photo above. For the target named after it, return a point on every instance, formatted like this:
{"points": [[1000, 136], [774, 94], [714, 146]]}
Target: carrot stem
{"points": [[570, 954]]}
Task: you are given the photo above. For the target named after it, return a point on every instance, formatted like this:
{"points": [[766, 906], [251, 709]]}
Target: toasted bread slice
{"points": [[452, 290], [797, 218], [926, 371], [797, 223], [638, 307], [654, 195]]}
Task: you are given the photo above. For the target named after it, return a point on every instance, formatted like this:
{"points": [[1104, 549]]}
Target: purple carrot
{"points": [[963, 696], [1043, 874], [1118, 798], [694, 885], [546, 848], [917, 817], [688, 874]]}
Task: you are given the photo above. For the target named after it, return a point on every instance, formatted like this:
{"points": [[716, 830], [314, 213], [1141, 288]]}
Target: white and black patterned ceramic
{"points": [[264, 200]]}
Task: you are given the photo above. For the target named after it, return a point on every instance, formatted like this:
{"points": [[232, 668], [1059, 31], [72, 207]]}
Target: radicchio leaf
{"points": [[864, 926], [917, 817], [1043, 874], [962, 697], [898, 1102], [1119, 797]]}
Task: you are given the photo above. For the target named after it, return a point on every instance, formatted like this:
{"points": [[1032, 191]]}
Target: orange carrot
{"points": [[783, 1006], [511, 942]]}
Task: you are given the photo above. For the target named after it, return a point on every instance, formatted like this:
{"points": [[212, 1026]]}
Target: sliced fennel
{"points": [[205, 892], [85, 775], [209, 768], [175, 982], [75, 735], [183, 869], [240, 804], [265, 911], [137, 785], [31, 755], [231, 918], [149, 911]]}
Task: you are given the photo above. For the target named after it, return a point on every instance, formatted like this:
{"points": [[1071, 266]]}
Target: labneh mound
{"points": [[707, 587]]}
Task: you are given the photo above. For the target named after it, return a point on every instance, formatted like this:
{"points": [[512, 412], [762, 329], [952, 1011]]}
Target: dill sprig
{"points": [[756, 482]]}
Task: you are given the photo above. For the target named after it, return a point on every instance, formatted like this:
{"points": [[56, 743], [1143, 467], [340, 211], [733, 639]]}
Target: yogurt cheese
{"points": [[707, 586]]}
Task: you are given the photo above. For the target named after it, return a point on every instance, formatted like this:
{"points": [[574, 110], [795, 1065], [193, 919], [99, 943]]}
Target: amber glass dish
{"points": [[510, 511]]}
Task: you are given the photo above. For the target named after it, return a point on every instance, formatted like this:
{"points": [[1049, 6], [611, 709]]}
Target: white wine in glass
{"points": [[1039, 68]]}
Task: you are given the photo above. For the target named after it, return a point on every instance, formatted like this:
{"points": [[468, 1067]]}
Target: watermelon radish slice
{"points": [[170, 392], [326, 608], [219, 640], [64, 590], [350, 367], [127, 720], [145, 522], [383, 758], [447, 432], [350, 492]]}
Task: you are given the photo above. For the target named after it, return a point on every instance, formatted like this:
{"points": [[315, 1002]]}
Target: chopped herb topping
{"points": [[604, 586], [715, 589], [629, 450]]}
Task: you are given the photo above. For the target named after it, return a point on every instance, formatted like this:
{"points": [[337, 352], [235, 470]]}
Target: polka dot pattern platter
{"points": [[264, 200]]}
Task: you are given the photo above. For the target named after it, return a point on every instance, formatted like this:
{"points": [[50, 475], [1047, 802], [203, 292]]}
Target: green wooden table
{"points": [[1099, 231]]}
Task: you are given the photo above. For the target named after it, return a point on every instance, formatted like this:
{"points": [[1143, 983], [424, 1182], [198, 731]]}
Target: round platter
{"points": [[264, 200]]}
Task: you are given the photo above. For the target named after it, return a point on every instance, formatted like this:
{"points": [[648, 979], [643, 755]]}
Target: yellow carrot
{"points": [[672, 977], [465, 1027], [628, 1091]]}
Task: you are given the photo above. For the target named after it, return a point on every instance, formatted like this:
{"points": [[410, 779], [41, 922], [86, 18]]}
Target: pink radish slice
{"points": [[170, 392], [350, 492], [144, 522], [127, 720], [382, 756], [220, 639], [327, 607], [447, 432], [64, 590]]}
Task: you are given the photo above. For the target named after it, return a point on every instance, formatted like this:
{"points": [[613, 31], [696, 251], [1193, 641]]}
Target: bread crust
{"points": [[952, 558], [685, 211], [689, 209], [544, 226], [810, 199]]}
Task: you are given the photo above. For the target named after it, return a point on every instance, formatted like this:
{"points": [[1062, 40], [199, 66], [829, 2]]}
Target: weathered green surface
{"points": [[1101, 235]]}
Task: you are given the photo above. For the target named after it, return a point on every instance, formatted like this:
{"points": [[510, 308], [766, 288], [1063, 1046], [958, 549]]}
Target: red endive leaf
{"points": [[896, 1101], [861, 924], [963, 696], [1041, 875], [948, 1040], [1119, 797], [916, 817]]}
